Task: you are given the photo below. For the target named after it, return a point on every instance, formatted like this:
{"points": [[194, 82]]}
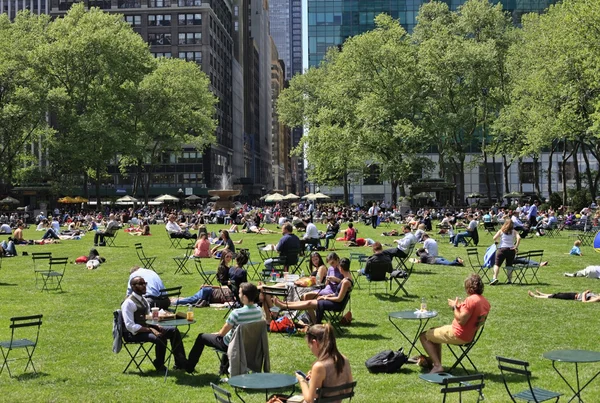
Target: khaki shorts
{"points": [[443, 335]]}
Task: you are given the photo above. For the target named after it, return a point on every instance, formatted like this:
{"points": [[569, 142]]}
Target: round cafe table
{"points": [[574, 357], [262, 381], [422, 317]]}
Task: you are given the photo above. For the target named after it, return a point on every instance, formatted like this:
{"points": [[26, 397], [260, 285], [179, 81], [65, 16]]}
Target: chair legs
{"points": [[134, 356], [29, 349], [460, 355]]}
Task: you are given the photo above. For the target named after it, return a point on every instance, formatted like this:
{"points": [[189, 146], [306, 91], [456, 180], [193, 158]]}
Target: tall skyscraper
{"points": [[331, 22]]}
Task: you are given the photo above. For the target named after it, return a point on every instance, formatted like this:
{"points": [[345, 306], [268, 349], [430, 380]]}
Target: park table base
{"points": [[422, 325], [579, 387]]}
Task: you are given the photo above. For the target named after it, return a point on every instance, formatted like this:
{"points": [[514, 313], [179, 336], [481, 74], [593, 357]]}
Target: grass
{"points": [[75, 361]]}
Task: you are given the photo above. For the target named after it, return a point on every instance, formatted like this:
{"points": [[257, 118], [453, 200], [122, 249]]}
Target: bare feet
{"points": [[544, 263], [530, 294], [460, 261], [277, 302], [436, 369]]}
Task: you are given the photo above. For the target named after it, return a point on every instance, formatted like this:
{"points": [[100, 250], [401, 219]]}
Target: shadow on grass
{"points": [[394, 298], [362, 324], [347, 335], [8, 284], [200, 380], [31, 375]]}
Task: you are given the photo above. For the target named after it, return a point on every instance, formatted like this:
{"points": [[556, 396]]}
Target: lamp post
{"points": [[180, 195]]}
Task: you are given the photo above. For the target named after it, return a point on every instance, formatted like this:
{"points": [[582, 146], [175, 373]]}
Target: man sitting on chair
{"points": [[249, 313], [288, 242], [153, 286], [377, 257], [112, 225], [135, 308], [404, 244], [468, 316], [175, 230], [311, 237]]}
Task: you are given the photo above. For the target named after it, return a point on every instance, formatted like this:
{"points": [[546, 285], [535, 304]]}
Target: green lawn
{"points": [[75, 361]]}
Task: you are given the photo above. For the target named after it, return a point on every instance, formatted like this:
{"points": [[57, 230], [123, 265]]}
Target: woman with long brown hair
{"points": [[331, 368], [507, 249]]}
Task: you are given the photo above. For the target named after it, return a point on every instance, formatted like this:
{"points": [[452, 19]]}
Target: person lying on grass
{"points": [[586, 296]]}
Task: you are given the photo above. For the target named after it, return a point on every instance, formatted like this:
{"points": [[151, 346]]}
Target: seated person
{"points": [[8, 249], [112, 226], [589, 272], [576, 249], [287, 245], [202, 246], [237, 273], [311, 237], [332, 302], [317, 267], [468, 316], [5, 229], [330, 369], [429, 254], [249, 313], [224, 267], [377, 257], [175, 231], [135, 308], [226, 244], [586, 296], [349, 235], [17, 237], [333, 227], [154, 284]]}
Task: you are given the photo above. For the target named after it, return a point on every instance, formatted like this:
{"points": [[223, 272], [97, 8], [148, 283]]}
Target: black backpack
{"points": [[387, 361]]}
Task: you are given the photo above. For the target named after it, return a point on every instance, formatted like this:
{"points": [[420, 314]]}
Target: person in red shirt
{"points": [[468, 316]]}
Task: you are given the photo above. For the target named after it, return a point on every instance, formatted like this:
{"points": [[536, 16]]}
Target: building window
{"points": [[527, 172], [236, 26], [159, 3], [161, 54], [129, 4], [236, 11], [569, 171], [189, 3], [190, 19], [372, 175], [159, 39], [159, 20], [191, 56], [134, 20], [190, 38]]}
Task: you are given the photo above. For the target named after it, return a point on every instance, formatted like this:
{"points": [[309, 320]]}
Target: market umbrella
{"points": [[475, 195], [514, 195], [9, 200], [66, 200], [192, 198], [321, 196], [275, 197], [310, 196], [80, 199], [166, 198], [291, 196], [424, 195], [127, 199]]}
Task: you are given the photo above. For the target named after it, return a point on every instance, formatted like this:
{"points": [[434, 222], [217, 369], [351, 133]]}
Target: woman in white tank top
{"points": [[507, 249]]}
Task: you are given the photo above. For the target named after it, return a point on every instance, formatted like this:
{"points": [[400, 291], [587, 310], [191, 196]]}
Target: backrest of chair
{"points": [[379, 270], [460, 384], [260, 245], [58, 264], [290, 257], [514, 366], [38, 256], [221, 395], [473, 256], [479, 325], [275, 291], [172, 292], [19, 322], [139, 248], [536, 255], [327, 394]]}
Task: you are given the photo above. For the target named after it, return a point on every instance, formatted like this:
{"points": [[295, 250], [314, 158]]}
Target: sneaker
{"points": [[569, 275], [494, 281], [101, 244], [508, 282]]}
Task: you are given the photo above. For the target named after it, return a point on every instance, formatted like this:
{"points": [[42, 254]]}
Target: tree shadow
{"points": [[8, 285], [347, 335], [31, 375]]}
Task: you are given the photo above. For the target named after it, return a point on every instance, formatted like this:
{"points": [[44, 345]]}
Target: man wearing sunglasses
{"points": [[135, 308]]}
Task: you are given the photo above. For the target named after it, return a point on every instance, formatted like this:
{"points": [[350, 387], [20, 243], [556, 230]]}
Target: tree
{"points": [[313, 100], [91, 61], [461, 57], [172, 106], [22, 94]]}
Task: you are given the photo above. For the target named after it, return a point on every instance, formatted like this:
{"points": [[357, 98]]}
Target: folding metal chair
{"points": [[356, 274], [254, 272], [182, 261], [175, 242], [207, 276], [535, 260], [518, 367], [401, 277], [378, 273], [489, 227], [335, 393], [282, 293], [221, 395], [146, 261], [18, 325], [40, 263], [401, 261], [261, 252], [110, 236], [134, 353], [462, 350], [519, 270], [475, 263], [335, 317], [56, 272], [171, 292], [460, 384]]}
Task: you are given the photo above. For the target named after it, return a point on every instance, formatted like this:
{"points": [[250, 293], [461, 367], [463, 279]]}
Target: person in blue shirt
{"points": [[153, 287], [288, 242], [576, 249]]}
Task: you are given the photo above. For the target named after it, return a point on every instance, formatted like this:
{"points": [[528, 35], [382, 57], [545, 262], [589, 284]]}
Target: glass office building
{"points": [[331, 22]]}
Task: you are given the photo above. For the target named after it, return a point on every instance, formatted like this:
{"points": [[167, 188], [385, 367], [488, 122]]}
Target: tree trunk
{"points": [[394, 183], [506, 167], [588, 172], [486, 172], [99, 204], [520, 165], [86, 191], [346, 192], [563, 171], [549, 171], [576, 166], [536, 176], [494, 173]]}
